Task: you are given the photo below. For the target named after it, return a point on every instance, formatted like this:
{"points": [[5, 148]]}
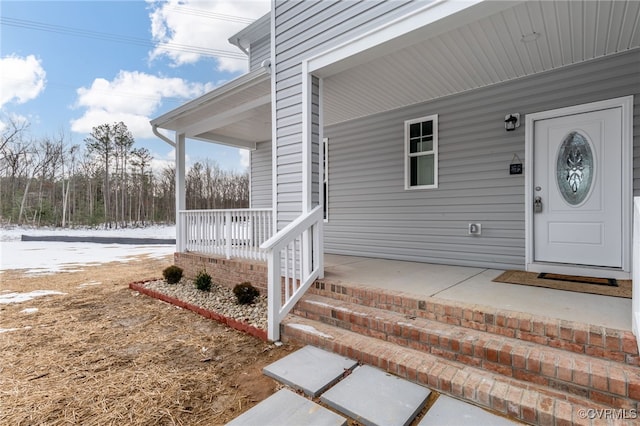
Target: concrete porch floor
{"points": [[475, 285]]}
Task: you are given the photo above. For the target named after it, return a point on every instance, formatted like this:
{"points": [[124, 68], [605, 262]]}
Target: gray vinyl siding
{"points": [[261, 172], [303, 29], [370, 213], [258, 52]]}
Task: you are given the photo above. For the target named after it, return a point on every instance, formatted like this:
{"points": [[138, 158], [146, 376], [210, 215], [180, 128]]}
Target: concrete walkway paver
{"points": [[287, 408], [450, 411], [310, 369], [367, 395], [373, 397]]}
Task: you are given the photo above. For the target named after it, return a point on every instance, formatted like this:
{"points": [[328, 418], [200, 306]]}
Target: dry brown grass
{"points": [[102, 354]]}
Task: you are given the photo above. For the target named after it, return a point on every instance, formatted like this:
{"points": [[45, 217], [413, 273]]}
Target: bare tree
{"points": [[123, 144], [141, 161], [46, 181], [106, 142], [11, 131], [13, 167], [71, 158], [37, 159]]}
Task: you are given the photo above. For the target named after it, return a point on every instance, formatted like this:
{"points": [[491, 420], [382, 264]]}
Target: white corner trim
{"points": [[274, 117]]}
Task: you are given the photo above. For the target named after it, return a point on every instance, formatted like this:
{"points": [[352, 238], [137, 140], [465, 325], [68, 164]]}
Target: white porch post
{"points": [[181, 199], [228, 233], [308, 141], [319, 244]]}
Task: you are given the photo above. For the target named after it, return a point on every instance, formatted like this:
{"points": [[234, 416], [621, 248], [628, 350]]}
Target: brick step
{"points": [[608, 382], [528, 402], [596, 341]]}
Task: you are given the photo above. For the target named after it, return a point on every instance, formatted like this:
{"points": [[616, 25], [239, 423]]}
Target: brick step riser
{"points": [[530, 403], [601, 342], [598, 380]]}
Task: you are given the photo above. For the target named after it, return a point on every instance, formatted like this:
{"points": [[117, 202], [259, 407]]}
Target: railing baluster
{"points": [[230, 233], [286, 272], [296, 266], [302, 265]]}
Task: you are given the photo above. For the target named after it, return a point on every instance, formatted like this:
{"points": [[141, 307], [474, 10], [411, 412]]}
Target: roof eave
{"points": [[259, 29], [244, 80]]}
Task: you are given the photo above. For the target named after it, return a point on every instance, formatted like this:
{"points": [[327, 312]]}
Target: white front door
{"points": [[577, 192]]}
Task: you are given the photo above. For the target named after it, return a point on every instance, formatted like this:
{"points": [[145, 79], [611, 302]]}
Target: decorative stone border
{"points": [[231, 322]]}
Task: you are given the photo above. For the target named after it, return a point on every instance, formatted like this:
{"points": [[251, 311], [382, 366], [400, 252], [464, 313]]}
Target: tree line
{"points": [[106, 181]]}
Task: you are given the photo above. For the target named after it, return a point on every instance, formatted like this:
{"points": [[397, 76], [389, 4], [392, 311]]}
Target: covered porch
{"points": [[475, 286], [358, 94]]}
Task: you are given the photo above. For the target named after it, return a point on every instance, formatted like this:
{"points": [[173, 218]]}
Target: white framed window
{"points": [[421, 152]]}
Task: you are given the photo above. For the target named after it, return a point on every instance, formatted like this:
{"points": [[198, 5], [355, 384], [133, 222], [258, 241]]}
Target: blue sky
{"points": [[69, 66]]}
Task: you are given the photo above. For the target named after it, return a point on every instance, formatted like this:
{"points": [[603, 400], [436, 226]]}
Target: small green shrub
{"points": [[203, 281], [245, 293], [172, 274]]}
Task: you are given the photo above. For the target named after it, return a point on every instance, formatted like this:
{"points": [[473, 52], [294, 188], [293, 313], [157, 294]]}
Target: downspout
{"points": [[154, 129]]}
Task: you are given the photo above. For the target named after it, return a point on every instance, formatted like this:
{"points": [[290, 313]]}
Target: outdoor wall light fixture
{"points": [[511, 122]]}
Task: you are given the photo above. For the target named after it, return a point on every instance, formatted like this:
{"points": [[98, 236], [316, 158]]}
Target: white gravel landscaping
{"points": [[220, 300]]}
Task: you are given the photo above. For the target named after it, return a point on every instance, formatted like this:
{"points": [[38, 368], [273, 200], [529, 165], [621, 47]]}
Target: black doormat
{"points": [[583, 280], [621, 289]]}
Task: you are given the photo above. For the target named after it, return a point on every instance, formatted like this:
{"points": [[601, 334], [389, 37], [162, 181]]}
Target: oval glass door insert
{"points": [[574, 168]]}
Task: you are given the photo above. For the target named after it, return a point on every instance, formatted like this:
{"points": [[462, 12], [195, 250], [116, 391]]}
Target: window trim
{"points": [[325, 178], [407, 156]]}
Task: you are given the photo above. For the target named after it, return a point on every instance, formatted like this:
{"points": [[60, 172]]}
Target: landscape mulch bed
{"points": [[231, 322], [102, 354]]}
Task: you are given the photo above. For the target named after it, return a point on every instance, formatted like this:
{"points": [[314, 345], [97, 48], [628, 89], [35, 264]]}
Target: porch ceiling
{"points": [[528, 38], [237, 113]]}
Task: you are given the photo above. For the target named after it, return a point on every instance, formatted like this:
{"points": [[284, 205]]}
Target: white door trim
{"points": [[626, 103]]}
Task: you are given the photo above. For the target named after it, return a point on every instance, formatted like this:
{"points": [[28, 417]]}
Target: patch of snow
{"points": [[156, 231], [29, 310], [310, 329], [6, 299], [48, 257]]}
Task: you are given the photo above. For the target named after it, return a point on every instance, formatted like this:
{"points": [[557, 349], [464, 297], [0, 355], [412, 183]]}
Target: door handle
{"points": [[537, 204]]}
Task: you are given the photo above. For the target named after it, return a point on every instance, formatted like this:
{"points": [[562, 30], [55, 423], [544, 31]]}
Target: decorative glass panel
{"points": [[574, 168]]}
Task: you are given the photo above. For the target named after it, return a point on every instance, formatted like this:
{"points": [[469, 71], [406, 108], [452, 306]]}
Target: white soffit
{"points": [[234, 113], [528, 38]]}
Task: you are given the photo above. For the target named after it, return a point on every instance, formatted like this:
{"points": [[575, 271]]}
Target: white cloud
{"points": [[203, 25], [245, 159], [23, 79], [161, 161], [131, 97]]}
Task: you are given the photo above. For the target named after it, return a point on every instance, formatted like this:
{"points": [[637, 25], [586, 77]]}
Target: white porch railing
{"points": [[295, 259], [635, 291], [230, 233]]}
